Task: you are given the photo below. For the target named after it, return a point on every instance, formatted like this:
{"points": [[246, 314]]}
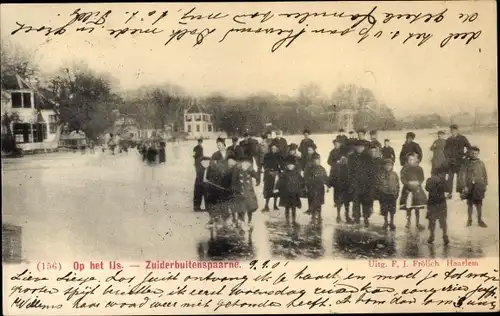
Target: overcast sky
{"points": [[408, 78]]}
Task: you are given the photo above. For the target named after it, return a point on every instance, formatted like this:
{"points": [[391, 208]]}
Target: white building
{"points": [[198, 123], [37, 128]]}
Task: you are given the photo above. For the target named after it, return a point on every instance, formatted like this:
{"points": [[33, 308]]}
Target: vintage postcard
{"points": [[249, 158]]}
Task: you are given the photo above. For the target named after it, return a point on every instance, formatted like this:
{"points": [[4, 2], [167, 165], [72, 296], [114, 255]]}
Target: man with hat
{"points": [[455, 151], [305, 143], [342, 137], [281, 143], [362, 138], [438, 158], [408, 148], [361, 170], [264, 148], [235, 149], [198, 152], [200, 184]]}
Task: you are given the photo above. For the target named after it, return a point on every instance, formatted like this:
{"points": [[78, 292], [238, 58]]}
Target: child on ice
{"points": [[412, 196]]}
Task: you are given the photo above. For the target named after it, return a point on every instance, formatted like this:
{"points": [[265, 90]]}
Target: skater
{"points": [[388, 193], [245, 200], [316, 181], [152, 154], [307, 162], [362, 138], [338, 178], [374, 139], [273, 162], [361, 175], [281, 143], [227, 195], [264, 148], [200, 184], [111, 144], [438, 158], [235, 149], [305, 144], [198, 152], [162, 155], [410, 147], [387, 151], [342, 137], [455, 151], [436, 205], [473, 183], [289, 187], [412, 195], [294, 154]]}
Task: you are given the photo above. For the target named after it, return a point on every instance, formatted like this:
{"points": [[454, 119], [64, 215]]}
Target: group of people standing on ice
{"points": [[361, 172]]}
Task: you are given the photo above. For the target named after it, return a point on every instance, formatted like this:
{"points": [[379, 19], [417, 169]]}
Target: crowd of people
{"points": [[361, 172]]}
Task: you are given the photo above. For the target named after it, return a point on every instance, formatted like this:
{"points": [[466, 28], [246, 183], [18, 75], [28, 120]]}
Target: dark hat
{"points": [[235, 138], [453, 126], [306, 131], [386, 140], [221, 140], [474, 148], [233, 157], [341, 130], [410, 134], [388, 162], [362, 131], [441, 133], [336, 140], [200, 140], [315, 156], [293, 146]]}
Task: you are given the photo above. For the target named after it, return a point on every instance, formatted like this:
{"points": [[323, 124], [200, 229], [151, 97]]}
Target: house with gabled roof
{"points": [[36, 127], [198, 122]]}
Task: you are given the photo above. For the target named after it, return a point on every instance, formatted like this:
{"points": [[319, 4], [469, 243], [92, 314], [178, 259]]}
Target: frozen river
{"points": [[77, 207]]}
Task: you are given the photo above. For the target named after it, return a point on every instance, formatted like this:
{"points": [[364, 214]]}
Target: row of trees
{"points": [[88, 102]]}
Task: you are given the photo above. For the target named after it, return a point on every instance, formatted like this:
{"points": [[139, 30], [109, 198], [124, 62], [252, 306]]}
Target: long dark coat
{"points": [[304, 144], [361, 174], [272, 167], [282, 145], [290, 186], [215, 174], [245, 199], [418, 196], [438, 156], [316, 179]]}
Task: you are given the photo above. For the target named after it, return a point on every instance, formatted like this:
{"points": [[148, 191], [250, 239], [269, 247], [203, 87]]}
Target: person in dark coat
{"points": [[215, 174], [350, 143], [316, 181], [273, 163], [264, 148], [226, 197], [388, 193], [305, 144], [410, 147], [474, 181], [337, 161], [374, 140], [436, 204], [361, 174], [152, 154], [438, 157], [307, 162], [378, 165], [342, 137], [198, 152], [245, 200], [235, 149], [290, 185], [455, 151], [412, 195], [249, 147], [362, 138], [144, 151], [387, 151], [200, 185], [281, 143], [162, 155]]}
